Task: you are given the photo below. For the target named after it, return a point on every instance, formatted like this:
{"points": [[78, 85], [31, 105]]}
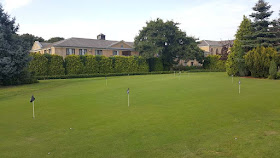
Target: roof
{"points": [[214, 43], [85, 42], [45, 44]]}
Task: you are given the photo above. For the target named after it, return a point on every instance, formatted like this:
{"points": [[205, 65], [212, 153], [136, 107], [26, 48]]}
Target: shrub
{"points": [[38, 65], [273, 70], [91, 65], [120, 64], [142, 65], [73, 65], [258, 61], [155, 64], [213, 62], [104, 64], [132, 62], [56, 65]]}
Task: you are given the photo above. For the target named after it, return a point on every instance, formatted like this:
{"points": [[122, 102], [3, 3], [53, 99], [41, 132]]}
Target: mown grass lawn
{"points": [[195, 115]]}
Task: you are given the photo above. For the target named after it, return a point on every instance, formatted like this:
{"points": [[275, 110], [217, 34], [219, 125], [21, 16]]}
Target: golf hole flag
{"points": [[32, 99], [127, 91]]}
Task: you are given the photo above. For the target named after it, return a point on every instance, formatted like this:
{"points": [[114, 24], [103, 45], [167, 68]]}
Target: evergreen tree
{"points": [[235, 64], [276, 28], [262, 35], [13, 52]]}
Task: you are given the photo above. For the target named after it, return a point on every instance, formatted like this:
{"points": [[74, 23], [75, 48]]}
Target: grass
{"points": [[195, 115]]}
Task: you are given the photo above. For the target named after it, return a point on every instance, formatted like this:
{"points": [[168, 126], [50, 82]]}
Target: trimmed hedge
{"points": [[74, 65], [38, 65], [155, 64], [100, 75], [56, 65], [91, 65]]}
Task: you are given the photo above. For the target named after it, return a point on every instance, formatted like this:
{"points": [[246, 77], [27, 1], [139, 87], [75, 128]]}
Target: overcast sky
{"points": [[122, 19]]}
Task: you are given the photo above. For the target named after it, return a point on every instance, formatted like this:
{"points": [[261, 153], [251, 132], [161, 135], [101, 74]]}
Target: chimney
{"points": [[101, 37]]}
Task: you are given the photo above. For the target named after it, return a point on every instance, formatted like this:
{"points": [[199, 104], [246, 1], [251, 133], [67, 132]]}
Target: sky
{"points": [[122, 19]]}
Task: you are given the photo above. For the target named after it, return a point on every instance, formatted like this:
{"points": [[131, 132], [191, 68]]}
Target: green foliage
{"points": [[262, 34], [143, 66], [14, 52], [100, 75], [232, 64], [73, 65], [132, 64], [166, 40], [104, 64], [29, 39], [213, 62], [273, 70], [155, 64], [56, 65], [258, 61], [91, 65], [38, 65], [120, 64], [55, 39]]}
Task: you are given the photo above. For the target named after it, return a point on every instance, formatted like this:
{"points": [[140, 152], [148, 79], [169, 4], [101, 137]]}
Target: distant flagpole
{"points": [[106, 80], [127, 97], [32, 100], [174, 73], [231, 78], [33, 110], [239, 86]]}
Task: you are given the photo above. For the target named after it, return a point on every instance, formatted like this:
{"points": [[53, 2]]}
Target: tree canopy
{"points": [[166, 40], [262, 35], [13, 52], [55, 39]]}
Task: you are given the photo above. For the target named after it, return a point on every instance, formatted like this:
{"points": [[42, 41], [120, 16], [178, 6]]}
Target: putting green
{"points": [[194, 115]]}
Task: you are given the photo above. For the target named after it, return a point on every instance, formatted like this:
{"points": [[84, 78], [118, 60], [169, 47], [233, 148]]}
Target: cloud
{"points": [[10, 5]]}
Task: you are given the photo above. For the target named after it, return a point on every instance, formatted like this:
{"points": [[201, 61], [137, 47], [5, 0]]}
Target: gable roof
{"points": [[213, 43], [86, 43]]}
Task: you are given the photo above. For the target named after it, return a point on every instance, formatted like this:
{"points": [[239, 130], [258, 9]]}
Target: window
{"points": [[126, 53], [98, 52], [191, 63], [45, 51], [115, 52], [70, 51], [211, 50], [82, 51], [217, 51], [50, 51], [121, 46]]}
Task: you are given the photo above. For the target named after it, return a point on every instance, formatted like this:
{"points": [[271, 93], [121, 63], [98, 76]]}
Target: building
{"points": [[83, 46], [216, 47]]}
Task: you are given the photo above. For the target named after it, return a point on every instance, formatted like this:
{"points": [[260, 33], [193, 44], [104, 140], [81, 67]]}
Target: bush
{"points": [[155, 64], [104, 64], [120, 64], [213, 62], [91, 65], [142, 65], [38, 65], [273, 70], [56, 65], [73, 65], [99, 75], [258, 61]]}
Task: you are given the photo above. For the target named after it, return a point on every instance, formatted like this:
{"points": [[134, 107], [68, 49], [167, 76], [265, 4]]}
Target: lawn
{"points": [[195, 115]]}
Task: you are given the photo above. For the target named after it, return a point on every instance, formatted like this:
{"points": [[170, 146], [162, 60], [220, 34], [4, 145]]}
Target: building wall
{"points": [[120, 44], [189, 63], [36, 46], [90, 51]]}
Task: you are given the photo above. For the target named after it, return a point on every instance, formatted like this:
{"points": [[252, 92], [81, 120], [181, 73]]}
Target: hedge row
{"points": [[54, 65], [43, 65], [213, 62], [101, 75]]}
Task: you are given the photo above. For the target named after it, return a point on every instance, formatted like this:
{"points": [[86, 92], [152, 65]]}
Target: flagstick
{"points": [[239, 88], [33, 110], [106, 81], [231, 78], [128, 99], [174, 73]]}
